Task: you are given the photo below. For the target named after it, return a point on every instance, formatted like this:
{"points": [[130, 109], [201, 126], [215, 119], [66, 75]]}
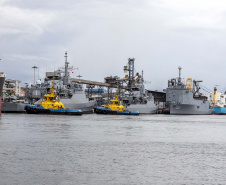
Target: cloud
{"points": [[15, 57], [22, 21], [101, 35]]}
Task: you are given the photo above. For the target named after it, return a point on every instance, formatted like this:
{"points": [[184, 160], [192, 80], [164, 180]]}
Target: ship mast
{"points": [[131, 71], [142, 78], [179, 79], [142, 90], [66, 77], [35, 67]]}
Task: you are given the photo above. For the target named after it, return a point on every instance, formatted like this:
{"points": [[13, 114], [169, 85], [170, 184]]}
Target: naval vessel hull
{"points": [[189, 109], [78, 101], [10, 107], [149, 108], [2, 80], [219, 110], [85, 107]]}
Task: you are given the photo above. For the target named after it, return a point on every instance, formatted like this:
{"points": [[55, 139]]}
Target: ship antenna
{"points": [[179, 79], [66, 64], [35, 67], [142, 76], [66, 75]]}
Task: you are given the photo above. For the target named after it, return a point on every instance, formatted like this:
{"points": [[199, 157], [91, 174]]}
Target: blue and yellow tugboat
{"points": [[114, 107], [51, 105]]}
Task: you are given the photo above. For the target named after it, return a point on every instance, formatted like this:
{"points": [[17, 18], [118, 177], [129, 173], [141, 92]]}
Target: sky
{"points": [[99, 37]]}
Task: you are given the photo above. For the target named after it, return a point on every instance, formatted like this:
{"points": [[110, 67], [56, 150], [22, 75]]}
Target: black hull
{"points": [[46, 111], [20, 112], [110, 112]]}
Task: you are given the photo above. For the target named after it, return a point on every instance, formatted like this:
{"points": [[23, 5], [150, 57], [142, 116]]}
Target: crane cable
{"points": [[205, 89]]}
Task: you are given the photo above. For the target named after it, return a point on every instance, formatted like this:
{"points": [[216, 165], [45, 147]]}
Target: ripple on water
{"points": [[96, 149]]}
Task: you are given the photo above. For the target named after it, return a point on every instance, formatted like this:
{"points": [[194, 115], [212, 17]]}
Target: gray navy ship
{"points": [[71, 94], [186, 99], [12, 101], [136, 97]]}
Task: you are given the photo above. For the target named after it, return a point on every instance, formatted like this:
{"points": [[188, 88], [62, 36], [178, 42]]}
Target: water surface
{"points": [[106, 149]]}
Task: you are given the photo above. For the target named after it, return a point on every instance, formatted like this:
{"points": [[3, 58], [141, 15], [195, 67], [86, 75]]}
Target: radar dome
{"points": [[38, 82]]}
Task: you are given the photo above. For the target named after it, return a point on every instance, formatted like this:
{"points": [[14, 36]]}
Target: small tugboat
{"points": [[51, 105], [114, 108]]}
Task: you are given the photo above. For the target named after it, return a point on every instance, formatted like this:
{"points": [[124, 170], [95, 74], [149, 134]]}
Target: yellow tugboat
{"points": [[51, 105], [114, 107], [51, 101]]}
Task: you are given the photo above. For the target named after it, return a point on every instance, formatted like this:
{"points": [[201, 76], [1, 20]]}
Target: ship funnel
{"points": [[215, 95]]}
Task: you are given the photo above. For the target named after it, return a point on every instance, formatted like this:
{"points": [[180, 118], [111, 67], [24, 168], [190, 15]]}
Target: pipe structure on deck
{"points": [[94, 83]]}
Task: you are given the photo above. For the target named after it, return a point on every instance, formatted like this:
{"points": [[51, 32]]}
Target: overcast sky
{"points": [[101, 35]]}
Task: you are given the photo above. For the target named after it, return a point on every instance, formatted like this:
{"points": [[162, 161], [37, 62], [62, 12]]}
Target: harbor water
{"points": [[111, 149]]}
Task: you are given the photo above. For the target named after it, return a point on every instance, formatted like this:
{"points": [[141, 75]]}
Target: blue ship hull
{"points": [[104, 110], [219, 110], [33, 109]]}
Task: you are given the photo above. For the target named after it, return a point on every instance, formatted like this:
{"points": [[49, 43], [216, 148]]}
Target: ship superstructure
{"points": [[218, 101], [51, 105], [136, 97], [185, 98], [13, 99], [71, 94]]}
